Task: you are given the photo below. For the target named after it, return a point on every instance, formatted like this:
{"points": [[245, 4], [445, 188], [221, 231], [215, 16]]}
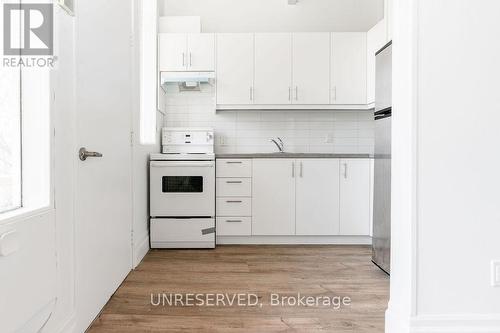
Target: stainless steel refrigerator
{"points": [[381, 248]]}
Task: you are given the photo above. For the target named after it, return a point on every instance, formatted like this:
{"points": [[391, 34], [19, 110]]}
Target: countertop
{"points": [[292, 155]]}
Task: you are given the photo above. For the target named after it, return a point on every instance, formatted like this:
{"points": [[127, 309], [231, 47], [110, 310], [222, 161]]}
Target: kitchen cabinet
{"points": [[355, 197], [172, 51], [201, 52], [235, 68], [311, 61], [376, 38], [317, 197], [348, 68], [273, 68], [273, 197], [186, 52]]}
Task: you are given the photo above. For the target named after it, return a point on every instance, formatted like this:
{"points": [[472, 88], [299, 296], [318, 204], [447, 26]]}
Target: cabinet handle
{"points": [[234, 162], [234, 182], [296, 93], [234, 221], [190, 59], [289, 93], [183, 59], [234, 201], [251, 93], [345, 170], [293, 169], [300, 169], [335, 93]]}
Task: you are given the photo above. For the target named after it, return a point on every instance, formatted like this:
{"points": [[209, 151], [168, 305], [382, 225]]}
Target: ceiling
{"points": [[277, 15]]}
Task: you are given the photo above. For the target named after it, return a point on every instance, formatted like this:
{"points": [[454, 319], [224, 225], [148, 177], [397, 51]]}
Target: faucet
{"points": [[280, 144]]}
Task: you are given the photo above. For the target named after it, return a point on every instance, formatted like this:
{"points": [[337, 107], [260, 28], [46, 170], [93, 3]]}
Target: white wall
{"points": [[451, 220], [277, 15]]}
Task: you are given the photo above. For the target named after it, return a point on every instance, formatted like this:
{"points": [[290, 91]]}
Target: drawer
{"points": [[234, 187], [234, 206], [234, 226], [234, 168], [181, 233]]}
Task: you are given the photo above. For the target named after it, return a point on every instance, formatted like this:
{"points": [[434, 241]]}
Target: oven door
{"points": [[182, 188]]}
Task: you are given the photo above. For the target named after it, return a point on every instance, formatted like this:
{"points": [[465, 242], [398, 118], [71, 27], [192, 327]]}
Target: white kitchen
{"points": [[236, 166]]}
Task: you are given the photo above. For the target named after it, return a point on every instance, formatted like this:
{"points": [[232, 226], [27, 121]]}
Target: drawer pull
{"points": [[234, 162], [234, 182], [234, 221], [234, 201]]}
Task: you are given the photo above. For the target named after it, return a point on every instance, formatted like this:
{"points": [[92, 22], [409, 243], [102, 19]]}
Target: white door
{"points": [[355, 197], [273, 68], [317, 197], [311, 68], [172, 52], [235, 64], [201, 52], [273, 201], [348, 68], [103, 198]]}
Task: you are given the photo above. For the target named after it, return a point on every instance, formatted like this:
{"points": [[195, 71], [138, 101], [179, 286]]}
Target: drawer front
{"points": [[234, 168], [234, 226], [181, 233], [234, 187], [234, 206]]}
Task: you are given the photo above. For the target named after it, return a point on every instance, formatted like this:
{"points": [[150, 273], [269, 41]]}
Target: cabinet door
{"points": [[173, 52], [348, 68], [317, 197], [273, 68], [311, 68], [355, 197], [273, 197], [235, 63], [375, 40], [201, 52]]}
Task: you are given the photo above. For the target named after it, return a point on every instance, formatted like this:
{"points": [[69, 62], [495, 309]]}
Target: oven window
{"points": [[182, 184]]}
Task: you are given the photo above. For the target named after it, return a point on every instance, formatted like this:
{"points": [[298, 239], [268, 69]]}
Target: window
{"points": [[10, 139]]}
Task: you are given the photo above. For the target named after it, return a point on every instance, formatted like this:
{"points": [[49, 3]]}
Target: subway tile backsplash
{"points": [[249, 131]]}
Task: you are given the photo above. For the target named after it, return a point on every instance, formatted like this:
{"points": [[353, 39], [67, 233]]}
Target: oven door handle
{"points": [[161, 164]]}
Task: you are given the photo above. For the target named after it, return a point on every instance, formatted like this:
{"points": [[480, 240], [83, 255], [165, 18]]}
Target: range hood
{"points": [[186, 81]]}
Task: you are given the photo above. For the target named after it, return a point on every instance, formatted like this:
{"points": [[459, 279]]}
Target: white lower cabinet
{"points": [[234, 226], [293, 197], [355, 197], [317, 197], [273, 197]]}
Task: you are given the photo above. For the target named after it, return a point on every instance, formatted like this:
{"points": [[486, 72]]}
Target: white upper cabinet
{"points": [[348, 68], [201, 52], [375, 40], [273, 197], [311, 62], [317, 197], [172, 52], [235, 68], [355, 197], [186, 52], [273, 68]]}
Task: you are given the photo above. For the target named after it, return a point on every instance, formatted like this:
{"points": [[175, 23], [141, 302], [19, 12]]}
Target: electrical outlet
{"points": [[222, 140], [495, 273]]}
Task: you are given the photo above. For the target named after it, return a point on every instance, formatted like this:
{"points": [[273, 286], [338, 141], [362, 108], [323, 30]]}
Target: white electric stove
{"points": [[182, 190]]}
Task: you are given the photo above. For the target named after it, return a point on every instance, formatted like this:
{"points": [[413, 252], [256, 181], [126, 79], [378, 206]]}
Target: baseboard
{"points": [[294, 240], [141, 250], [456, 324]]}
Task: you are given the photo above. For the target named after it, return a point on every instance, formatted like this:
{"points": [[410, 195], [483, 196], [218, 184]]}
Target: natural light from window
{"points": [[10, 139]]}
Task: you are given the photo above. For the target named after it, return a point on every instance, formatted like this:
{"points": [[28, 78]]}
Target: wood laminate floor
{"points": [[324, 271]]}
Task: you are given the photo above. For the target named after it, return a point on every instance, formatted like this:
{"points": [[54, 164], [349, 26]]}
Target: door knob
{"points": [[83, 153]]}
